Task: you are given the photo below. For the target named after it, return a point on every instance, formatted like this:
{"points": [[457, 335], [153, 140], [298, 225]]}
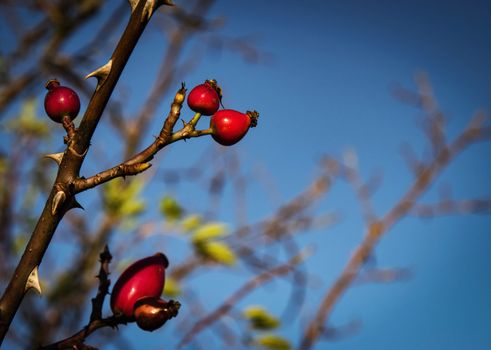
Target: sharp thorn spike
{"points": [[57, 157], [33, 281], [58, 201], [101, 73]]}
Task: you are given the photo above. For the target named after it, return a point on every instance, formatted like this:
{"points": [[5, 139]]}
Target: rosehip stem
{"points": [[195, 119], [68, 126]]}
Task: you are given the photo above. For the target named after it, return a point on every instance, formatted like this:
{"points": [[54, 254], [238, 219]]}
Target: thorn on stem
{"points": [[33, 281], [101, 73], [58, 201], [57, 157], [76, 205]]}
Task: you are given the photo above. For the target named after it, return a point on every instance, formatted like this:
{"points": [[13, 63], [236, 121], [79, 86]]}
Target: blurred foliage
{"points": [[191, 223], [170, 208], [209, 231], [218, 252], [260, 319], [27, 122], [172, 287], [273, 342], [122, 199]]}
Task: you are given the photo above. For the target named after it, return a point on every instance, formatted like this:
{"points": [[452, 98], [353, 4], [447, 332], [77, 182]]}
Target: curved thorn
{"points": [[57, 157], [58, 201], [101, 73], [74, 204], [71, 149], [33, 281], [133, 4]]}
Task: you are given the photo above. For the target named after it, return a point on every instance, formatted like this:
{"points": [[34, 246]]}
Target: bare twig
{"points": [[247, 288], [71, 164], [474, 132], [104, 283]]}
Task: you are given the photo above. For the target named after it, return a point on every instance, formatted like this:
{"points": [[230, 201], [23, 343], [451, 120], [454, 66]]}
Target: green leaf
{"points": [[191, 222], [172, 287], [132, 208], [216, 251], [121, 198], [27, 122], [171, 209], [210, 231], [273, 342], [260, 319]]}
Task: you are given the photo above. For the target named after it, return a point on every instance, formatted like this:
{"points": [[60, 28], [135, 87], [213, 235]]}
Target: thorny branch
{"points": [[76, 341], [104, 283], [60, 199], [139, 162]]}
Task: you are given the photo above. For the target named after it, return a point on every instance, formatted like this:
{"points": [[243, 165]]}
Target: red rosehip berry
{"points": [[205, 98], [230, 126], [143, 278], [151, 313], [60, 102]]}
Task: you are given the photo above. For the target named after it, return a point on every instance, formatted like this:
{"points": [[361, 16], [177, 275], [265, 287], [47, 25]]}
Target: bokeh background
{"points": [[324, 75]]}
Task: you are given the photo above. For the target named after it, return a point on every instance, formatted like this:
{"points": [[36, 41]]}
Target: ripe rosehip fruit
{"points": [[151, 313], [143, 278], [230, 126], [205, 98], [60, 101]]}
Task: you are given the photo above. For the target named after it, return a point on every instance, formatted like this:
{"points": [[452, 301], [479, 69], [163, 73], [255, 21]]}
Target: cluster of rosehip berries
{"points": [[136, 293], [228, 126]]}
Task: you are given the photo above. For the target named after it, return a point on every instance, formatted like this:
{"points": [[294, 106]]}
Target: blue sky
{"points": [[326, 89]]}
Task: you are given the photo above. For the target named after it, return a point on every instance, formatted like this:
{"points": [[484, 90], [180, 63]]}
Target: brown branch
{"points": [[474, 132], [243, 291], [14, 88], [76, 341], [139, 162], [104, 283], [70, 166], [167, 72]]}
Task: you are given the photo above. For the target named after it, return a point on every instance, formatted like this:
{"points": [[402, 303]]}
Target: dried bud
{"points": [[151, 313]]}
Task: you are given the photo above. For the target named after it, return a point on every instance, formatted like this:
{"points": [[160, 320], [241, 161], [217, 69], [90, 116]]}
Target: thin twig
{"points": [[474, 132], [104, 283], [247, 288]]}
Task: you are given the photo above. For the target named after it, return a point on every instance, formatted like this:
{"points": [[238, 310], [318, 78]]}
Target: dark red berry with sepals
{"points": [[205, 98], [230, 126], [151, 313], [143, 278], [60, 102]]}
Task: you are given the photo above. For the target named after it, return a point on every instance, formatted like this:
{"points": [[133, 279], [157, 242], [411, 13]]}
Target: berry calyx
{"points": [[205, 98], [230, 126], [60, 102], [151, 313], [143, 278]]}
